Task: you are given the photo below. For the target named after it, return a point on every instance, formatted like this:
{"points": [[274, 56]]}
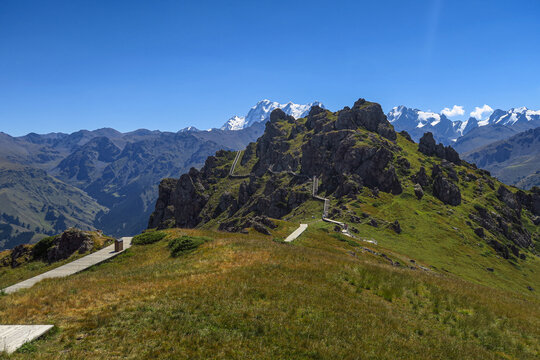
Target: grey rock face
{"points": [[446, 191], [428, 147], [71, 241], [19, 254], [421, 178], [163, 209]]}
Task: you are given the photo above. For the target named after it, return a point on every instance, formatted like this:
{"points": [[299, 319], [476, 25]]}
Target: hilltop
{"points": [[419, 199]]}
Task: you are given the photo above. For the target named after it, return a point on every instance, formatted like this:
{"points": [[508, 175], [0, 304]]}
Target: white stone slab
{"points": [[296, 233], [72, 267], [13, 337]]}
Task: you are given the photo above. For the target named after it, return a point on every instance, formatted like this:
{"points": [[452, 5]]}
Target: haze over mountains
{"points": [[103, 179], [108, 180], [515, 160]]}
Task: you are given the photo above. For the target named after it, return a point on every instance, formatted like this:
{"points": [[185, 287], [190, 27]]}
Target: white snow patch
{"points": [[261, 112], [425, 116], [234, 123]]}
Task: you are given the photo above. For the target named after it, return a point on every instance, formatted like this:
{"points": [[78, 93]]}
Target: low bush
{"points": [[39, 251], [148, 238], [185, 244]]}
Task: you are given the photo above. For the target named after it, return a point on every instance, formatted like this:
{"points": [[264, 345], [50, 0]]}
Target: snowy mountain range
{"points": [[500, 124], [261, 112]]}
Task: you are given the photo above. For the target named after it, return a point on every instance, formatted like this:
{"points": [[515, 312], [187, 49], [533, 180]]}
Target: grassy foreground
{"points": [[249, 296]]}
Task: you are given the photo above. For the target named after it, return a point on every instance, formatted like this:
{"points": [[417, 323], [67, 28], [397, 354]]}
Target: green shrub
{"points": [[148, 237], [185, 244], [39, 251]]}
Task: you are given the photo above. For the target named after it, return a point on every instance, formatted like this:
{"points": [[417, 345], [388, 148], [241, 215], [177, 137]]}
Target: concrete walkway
{"points": [[13, 337], [236, 158], [72, 267], [296, 233]]}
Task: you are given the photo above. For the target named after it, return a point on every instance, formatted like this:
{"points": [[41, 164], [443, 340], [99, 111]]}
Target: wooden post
{"points": [[118, 245]]}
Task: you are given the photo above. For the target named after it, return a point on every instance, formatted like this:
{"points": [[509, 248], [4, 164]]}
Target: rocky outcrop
{"points": [[164, 208], [69, 242], [530, 201], [446, 191], [350, 153], [421, 178], [261, 224], [180, 204], [334, 155], [508, 225], [510, 199], [418, 191], [367, 115], [406, 135], [19, 255], [429, 147], [276, 201]]}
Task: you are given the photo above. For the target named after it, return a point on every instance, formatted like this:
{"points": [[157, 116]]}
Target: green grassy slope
{"points": [[247, 296], [441, 236]]}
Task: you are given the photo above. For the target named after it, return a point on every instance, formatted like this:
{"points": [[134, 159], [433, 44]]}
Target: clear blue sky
{"points": [[72, 64]]}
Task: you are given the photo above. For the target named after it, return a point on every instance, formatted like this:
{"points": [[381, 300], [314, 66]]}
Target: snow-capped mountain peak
{"points": [[511, 117], [189, 129], [261, 112], [235, 123], [417, 122]]}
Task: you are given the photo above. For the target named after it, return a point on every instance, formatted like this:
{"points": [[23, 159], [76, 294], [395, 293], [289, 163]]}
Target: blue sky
{"points": [[67, 65]]}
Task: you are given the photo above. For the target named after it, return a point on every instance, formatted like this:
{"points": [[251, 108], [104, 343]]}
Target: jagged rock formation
{"points": [[428, 146], [329, 150], [69, 242], [354, 153]]}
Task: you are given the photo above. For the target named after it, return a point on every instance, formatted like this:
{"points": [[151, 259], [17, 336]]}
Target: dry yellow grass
{"points": [[247, 296]]}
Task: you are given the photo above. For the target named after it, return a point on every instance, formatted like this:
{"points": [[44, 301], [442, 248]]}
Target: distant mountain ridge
{"points": [[514, 161], [417, 122], [456, 133], [261, 113], [114, 176]]}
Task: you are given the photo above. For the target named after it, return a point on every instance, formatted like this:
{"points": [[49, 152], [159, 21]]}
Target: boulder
{"points": [[509, 198], [429, 147], [421, 178], [226, 201], [71, 241], [396, 227], [446, 191], [20, 254], [418, 191], [406, 135], [479, 232]]}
